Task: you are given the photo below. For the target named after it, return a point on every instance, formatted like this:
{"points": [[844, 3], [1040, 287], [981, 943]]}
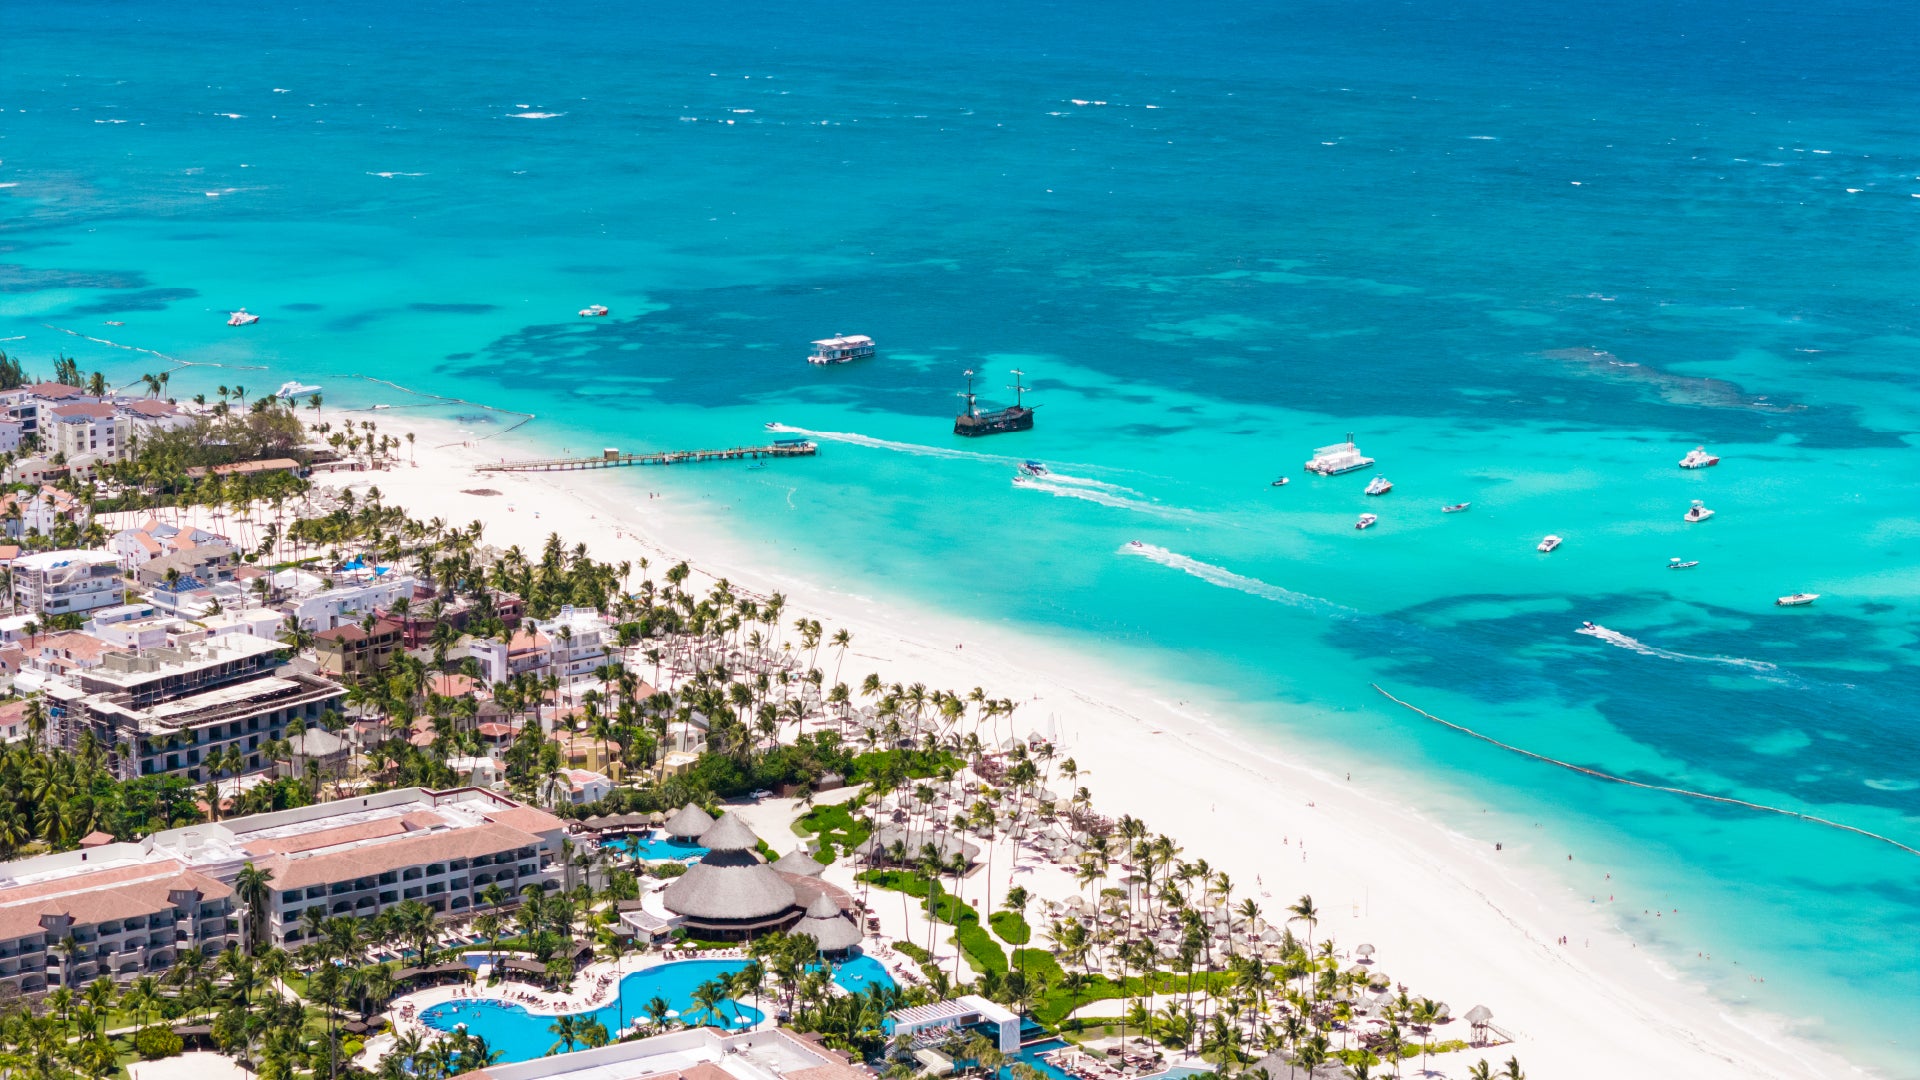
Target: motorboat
{"points": [[1698, 458], [242, 318], [593, 311], [1283, 481], [1135, 544], [771, 425], [292, 389], [1033, 468], [1366, 521], [1677, 563], [115, 322], [1455, 508], [1548, 543], [1698, 511], [1799, 599], [1379, 485], [1338, 458]]}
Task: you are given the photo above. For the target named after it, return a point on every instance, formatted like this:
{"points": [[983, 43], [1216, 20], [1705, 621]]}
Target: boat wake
{"points": [[1089, 483], [1102, 497], [917, 449], [1227, 579], [1621, 641]]}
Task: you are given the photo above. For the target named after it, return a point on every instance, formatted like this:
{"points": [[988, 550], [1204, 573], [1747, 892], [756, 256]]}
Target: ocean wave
{"points": [[1621, 641], [1227, 579]]}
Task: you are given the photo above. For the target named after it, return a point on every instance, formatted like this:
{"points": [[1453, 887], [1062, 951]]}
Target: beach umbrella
{"points": [[1364, 952]]}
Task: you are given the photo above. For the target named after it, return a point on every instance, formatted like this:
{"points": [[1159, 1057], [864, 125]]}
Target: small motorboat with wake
{"points": [[1455, 508], [1677, 563], [1548, 543], [1366, 521], [1283, 481], [1379, 485], [1698, 511], [1135, 544], [593, 311], [242, 318], [1698, 458], [1799, 599], [1033, 468]]}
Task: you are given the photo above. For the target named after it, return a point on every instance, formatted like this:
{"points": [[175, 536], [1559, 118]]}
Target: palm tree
{"points": [[1304, 911], [566, 1032], [1513, 1070], [1480, 1071], [252, 885]]}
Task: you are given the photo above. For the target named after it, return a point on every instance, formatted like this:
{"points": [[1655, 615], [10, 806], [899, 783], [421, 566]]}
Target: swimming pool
{"points": [[1030, 1055], [655, 847], [522, 1036], [855, 975]]}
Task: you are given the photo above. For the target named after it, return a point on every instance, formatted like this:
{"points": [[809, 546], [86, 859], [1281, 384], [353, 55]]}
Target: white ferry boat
{"points": [[1379, 485], [1799, 599], [1548, 543], [242, 318], [841, 350], [1698, 511], [1338, 458], [1698, 458]]}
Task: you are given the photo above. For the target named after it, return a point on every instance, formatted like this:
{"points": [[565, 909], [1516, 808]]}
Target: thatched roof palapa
{"points": [[688, 823], [799, 861], [829, 927], [730, 885]]}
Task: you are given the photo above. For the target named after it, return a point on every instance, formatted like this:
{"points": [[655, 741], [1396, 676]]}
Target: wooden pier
{"points": [[614, 459]]}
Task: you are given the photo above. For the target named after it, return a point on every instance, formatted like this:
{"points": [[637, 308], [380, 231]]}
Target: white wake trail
{"points": [[1104, 498], [1227, 579], [1621, 641], [852, 438]]}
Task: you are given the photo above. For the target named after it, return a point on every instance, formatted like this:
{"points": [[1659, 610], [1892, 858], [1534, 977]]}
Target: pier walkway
{"points": [[614, 459]]}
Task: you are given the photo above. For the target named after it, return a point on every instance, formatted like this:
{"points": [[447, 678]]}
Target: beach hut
{"points": [[730, 893], [688, 823], [799, 861], [829, 927]]}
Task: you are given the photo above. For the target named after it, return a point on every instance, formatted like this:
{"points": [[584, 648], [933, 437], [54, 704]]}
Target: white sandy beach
{"points": [[1450, 917]]}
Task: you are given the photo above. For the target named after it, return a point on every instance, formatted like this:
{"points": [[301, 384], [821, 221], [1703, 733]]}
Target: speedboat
{"points": [[1033, 468], [1135, 544], [242, 318], [292, 389], [1799, 599], [771, 425], [1283, 481], [1379, 485], [1366, 520], [1698, 511], [1677, 563], [593, 311], [1455, 508], [1548, 543], [1698, 458]]}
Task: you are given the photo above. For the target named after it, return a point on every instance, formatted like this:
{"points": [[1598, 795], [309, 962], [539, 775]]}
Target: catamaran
{"points": [[1338, 458], [843, 349]]}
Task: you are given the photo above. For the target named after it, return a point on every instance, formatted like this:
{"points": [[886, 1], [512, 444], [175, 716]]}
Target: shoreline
{"points": [[1446, 913]]}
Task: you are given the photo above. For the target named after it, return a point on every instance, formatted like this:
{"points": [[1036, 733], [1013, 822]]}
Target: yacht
{"points": [[1698, 511], [1799, 599], [1548, 543], [1698, 458], [1455, 508], [1366, 520], [1677, 563], [1033, 468], [1379, 485], [841, 350], [1338, 458], [593, 311], [292, 389], [242, 318]]}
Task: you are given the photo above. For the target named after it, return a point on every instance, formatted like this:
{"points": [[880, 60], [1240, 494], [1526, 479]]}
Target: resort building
{"points": [[352, 653], [830, 928], [702, 1053], [82, 429], [189, 709], [131, 908], [348, 603], [733, 894], [207, 563], [67, 582], [36, 513], [576, 642], [921, 1022]]}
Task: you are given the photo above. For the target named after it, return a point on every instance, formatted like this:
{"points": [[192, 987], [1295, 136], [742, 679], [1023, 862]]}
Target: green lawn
{"points": [[982, 952], [836, 829]]}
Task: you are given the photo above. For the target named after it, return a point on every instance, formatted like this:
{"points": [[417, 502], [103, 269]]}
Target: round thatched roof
{"points": [[728, 887], [688, 822], [799, 861], [829, 928], [729, 834]]}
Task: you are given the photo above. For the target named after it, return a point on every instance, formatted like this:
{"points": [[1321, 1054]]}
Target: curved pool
{"points": [[856, 974], [520, 1035], [655, 847]]}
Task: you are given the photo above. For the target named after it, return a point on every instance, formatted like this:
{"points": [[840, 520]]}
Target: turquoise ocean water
{"points": [[1215, 236]]}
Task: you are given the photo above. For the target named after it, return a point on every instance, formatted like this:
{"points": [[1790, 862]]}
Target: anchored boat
{"points": [[1799, 599], [1338, 458], [843, 349], [1548, 543], [1015, 417], [1698, 458]]}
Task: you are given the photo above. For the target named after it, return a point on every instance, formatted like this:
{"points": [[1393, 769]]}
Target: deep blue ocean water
{"points": [[1529, 253]]}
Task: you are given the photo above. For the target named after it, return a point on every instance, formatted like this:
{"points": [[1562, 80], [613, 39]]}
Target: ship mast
{"points": [[971, 411], [1017, 388]]}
